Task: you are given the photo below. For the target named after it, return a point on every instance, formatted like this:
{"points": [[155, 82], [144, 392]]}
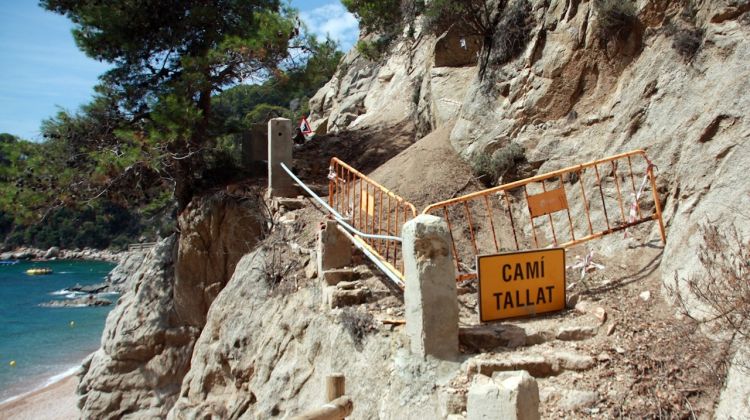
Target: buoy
{"points": [[12, 363], [72, 324]]}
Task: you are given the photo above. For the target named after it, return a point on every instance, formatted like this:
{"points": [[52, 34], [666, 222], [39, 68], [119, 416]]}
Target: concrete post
{"points": [[334, 249], [279, 151], [507, 395], [430, 293]]}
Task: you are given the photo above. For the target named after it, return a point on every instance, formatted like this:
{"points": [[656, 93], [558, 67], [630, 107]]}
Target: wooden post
{"points": [[335, 386], [334, 410]]}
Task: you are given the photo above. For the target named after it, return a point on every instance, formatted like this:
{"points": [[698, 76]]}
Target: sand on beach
{"points": [[57, 401]]}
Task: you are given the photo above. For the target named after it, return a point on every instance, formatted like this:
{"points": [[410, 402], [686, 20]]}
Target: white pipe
{"points": [[336, 214]]}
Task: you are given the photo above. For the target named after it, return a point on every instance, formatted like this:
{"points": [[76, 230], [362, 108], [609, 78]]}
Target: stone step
{"points": [[335, 276], [538, 365], [338, 298], [486, 338]]}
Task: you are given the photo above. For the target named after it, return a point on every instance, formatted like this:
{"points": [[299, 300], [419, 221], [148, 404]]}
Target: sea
{"points": [[38, 345]]}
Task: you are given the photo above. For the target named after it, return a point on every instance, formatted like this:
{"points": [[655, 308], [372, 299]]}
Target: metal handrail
{"points": [[387, 269]]}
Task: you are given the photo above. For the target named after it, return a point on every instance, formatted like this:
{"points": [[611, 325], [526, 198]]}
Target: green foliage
{"points": [[95, 227], [165, 119], [373, 50], [490, 168], [375, 15], [616, 17], [169, 58]]}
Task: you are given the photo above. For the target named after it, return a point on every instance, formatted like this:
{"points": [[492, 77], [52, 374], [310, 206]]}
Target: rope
{"points": [[633, 213], [586, 264]]}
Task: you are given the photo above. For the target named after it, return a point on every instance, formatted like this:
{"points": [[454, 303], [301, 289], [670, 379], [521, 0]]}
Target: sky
{"points": [[42, 71]]}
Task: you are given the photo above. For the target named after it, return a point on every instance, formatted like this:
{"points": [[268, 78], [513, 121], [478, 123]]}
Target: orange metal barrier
{"points": [[372, 209], [541, 211]]}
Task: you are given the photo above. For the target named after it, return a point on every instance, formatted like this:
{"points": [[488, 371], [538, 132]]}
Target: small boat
{"points": [[38, 271], [9, 262]]}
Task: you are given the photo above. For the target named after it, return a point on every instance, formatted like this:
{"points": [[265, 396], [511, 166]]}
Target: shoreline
{"points": [[30, 254], [48, 382], [56, 399]]}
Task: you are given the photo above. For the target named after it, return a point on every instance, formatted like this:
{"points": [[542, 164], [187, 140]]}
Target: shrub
{"points": [[513, 32], [490, 168], [687, 42], [375, 15], [616, 17], [357, 324], [723, 290], [373, 50]]}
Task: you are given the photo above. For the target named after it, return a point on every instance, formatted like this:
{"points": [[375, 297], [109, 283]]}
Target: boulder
{"points": [[52, 252], [506, 395]]}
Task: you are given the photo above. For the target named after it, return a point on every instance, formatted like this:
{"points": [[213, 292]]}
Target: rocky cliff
{"points": [[189, 342], [149, 337], [674, 83], [574, 95]]}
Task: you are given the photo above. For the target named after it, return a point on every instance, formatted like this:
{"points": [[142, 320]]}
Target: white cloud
{"points": [[335, 21]]}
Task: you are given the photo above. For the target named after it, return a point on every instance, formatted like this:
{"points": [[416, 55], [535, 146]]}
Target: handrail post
{"points": [[430, 294], [279, 151]]}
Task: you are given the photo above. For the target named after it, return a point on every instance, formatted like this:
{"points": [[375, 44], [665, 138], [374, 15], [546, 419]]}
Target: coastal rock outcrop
{"points": [[215, 233], [130, 263], [149, 336], [264, 354]]}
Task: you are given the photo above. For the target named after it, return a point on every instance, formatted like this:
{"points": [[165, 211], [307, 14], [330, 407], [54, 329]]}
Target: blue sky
{"points": [[42, 71]]}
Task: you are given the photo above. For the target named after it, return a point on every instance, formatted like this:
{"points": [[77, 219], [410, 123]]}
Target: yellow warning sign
{"points": [[521, 283]]}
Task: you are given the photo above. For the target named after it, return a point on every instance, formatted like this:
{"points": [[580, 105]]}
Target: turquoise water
{"points": [[42, 341]]}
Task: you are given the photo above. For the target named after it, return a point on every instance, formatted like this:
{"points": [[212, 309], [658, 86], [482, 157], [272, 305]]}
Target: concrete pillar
{"points": [[334, 249], [430, 293], [280, 151], [507, 395]]}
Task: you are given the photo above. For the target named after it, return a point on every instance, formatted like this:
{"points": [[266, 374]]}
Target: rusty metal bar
{"points": [[551, 221], [492, 223], [512, 224], [453, 242], [657, 204], [619, 193], [567, 210], [531, 216], [471, 227], [601, 194]]}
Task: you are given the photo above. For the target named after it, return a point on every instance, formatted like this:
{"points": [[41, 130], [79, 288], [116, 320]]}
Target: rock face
{"points": [[572, 96], [264, 355], [410, 86], [149, 336], [215, 234], [145, 348], [130, 263]]}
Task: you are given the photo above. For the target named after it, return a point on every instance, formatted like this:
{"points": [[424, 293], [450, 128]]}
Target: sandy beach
{"points": [[57, 401]]}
